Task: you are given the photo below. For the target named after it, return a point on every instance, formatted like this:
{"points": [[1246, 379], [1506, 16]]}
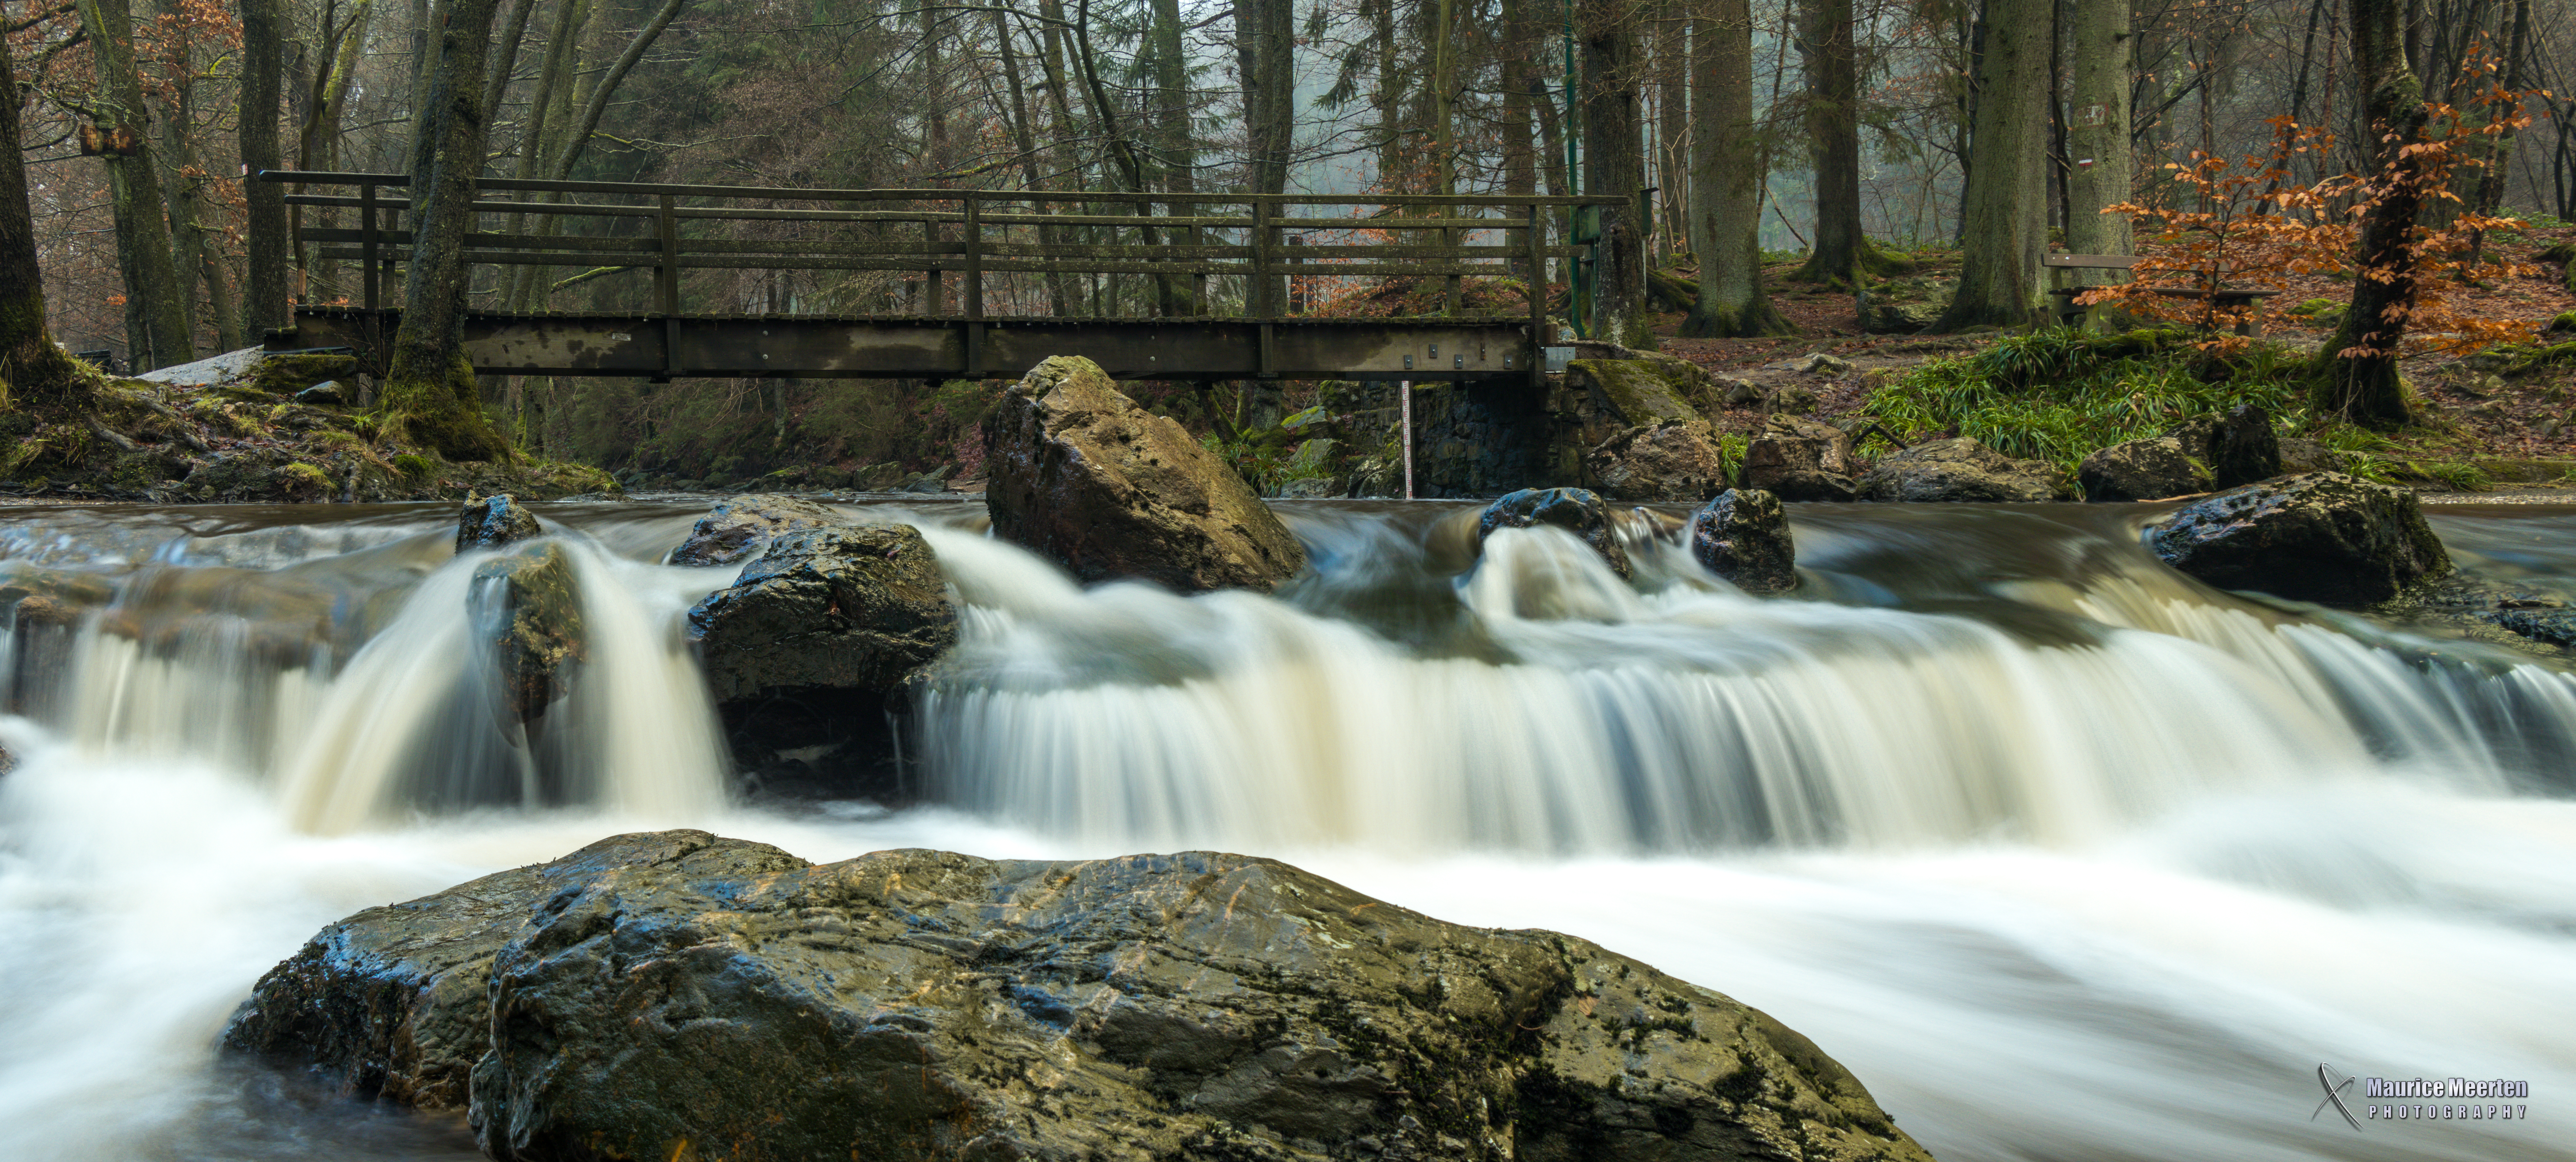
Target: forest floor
{"points": [[2474, 410]]}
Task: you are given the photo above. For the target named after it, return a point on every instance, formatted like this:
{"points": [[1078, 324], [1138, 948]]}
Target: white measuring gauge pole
{"points": [[1404, 403]]}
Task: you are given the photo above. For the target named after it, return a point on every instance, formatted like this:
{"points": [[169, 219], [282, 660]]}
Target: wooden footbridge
{"points": [[1241, 295]]}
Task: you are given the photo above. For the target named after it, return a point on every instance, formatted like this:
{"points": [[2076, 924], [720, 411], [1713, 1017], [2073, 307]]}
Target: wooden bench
{"points": [[2222, 299]]}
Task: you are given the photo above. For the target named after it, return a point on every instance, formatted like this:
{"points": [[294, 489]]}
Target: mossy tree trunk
{"points": [[2004, 208], [1726, 179], [430, 384], [34, 371], [1830, 54], [156, 321], [2097, 131], [1613, 164], [2355, 374]]}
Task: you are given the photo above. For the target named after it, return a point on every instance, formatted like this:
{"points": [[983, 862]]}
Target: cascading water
{"points": [[2065, 856]]}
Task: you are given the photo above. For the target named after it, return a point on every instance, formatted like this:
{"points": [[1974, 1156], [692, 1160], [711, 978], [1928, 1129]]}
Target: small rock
{"points": [[2152, 469], [1882, 317], [1641, 391], [527, 606], [1823, 364], [1957, 470], [328, 393], [2323, 537], [281, 375], [2300, 455], [1743, 536], [493, 521], [1576, 510], [1082, 475], [1737, 392], [1800, 460], [736, 529], [1672, 460], [1791, 399], [2238, 448]]}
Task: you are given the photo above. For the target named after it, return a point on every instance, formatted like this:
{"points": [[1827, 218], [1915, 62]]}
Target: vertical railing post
{"points": [[1262, 290], [1296, 262], [667, 282], [974, 288], [1449, 238], [934, 281], [368, 241], [1537, 244]]}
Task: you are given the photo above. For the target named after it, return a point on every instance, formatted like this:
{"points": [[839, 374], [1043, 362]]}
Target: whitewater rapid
{"points": [[2065, 858]]}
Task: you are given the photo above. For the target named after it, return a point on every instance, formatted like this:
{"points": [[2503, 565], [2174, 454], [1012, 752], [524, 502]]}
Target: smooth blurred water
{"points": [[2065, 856]]}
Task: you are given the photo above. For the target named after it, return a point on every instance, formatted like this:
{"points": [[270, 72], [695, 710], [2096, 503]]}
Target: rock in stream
{"points": [[675, 994]]}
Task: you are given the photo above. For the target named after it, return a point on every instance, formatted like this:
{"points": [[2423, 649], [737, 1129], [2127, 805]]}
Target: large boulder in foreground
{"points": [[1800, 459], [2323, 537], [1080, 474], [679, 995], [1961, 470], [736, 529], [1743, 536], [803, 650], [1670, 460], [1576, 510]]}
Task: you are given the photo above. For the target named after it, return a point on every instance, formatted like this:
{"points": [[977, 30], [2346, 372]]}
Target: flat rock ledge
{"points": [[678, 995]]}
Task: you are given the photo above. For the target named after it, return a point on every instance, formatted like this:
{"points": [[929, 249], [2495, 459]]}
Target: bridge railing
{"points": [[1276, 249]]}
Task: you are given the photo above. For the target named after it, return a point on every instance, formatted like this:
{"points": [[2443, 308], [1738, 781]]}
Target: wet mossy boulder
{"points": [[1958, 470], [2323, 537], [806, 654], [675, 994], [526, 610], [736, 529], [1800, 459], [1669, 460], [283, 375], [1643, 390], [1081, 475], [1743, 536], [1576, 510], [489, 522]]}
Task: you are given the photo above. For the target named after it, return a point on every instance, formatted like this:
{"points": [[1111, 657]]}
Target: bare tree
{"points": [[1726, 178], [2004, 209]]}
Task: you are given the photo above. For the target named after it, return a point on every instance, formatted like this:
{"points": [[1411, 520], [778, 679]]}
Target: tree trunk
{"points": [[431, 386], [2097, 130], [156, 330], [1388, 97], [2003, 212], [34, 370], [1830, 55], [1672, 128], [2356, 373], [1178, 156], [263, 32], [1726, 180], [1265, 48], [1612, 166]]}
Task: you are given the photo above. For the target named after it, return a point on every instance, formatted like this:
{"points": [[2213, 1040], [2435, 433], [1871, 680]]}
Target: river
{"points": [[2067, 857]]}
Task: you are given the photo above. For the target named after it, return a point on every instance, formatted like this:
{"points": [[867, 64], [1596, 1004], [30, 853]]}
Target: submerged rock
{"points": [[2323, 537], [736, 529], [1957, 470], [1083, 476], [803, 651], [2151, 469], [661, 995], [493, 521], [527, 607], [1743, 536], [1799, 459], [1670, 460], [1576, 510]]}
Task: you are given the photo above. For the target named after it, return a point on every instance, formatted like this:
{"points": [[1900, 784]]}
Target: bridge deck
{"points": [[913, 347]]}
